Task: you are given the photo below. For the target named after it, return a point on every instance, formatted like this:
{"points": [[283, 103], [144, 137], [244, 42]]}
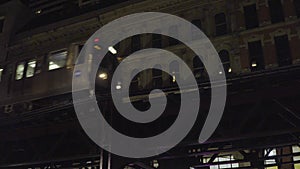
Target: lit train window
{"points": [[57, 60], [1, 73], [20, 71], [30, 68]]}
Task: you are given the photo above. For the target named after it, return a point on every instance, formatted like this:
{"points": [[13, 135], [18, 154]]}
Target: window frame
{"points": [[26, 68], [248, 20], [221, 24], [23, 71], [56, 52]]}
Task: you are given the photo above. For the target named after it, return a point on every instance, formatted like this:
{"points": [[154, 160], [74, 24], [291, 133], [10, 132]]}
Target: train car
{"points": [[39, 62]]}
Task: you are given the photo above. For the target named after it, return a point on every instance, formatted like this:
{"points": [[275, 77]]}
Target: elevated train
{"points": [[46, 70]]}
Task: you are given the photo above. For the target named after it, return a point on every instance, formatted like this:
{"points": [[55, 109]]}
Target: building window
{"points": [[270, 153], [135, 43], [1, 23], [297, 7], [173, 30], [225, 58], [30, 68], [296, 149], [251, 18], [283, 50], [157, 76], [20, 71], [276, 11], [222, 159], [221, 24], [256, 56], [174, 69], [1, 74], [198, 67], [57, 60], [198, 24]]}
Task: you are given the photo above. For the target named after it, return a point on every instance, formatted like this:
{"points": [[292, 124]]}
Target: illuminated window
{"points": [[276, 11], [221, 24], [157, 76], [57, 60], [30, 68], [251, 18], [284, 57], [270, 153], [296, 149], [198, 24], [20, 70], [1, 73], [1, 23], [174, 69], [297, 7], [256, 56]]}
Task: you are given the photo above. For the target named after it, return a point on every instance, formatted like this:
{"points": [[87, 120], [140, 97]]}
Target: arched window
{"points": [[135, 80], [157, 76], [198, 67], [198, 24], [174, 69], [225, 58], [221, 24]]}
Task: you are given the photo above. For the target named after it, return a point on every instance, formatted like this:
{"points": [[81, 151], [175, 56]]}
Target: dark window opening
{"points": [[157, 76], [221, 24], [225, 58], [1, 24], [157, 40], [283, 50], [198, 24], [173, 30], [276, 11], [198, 68], [135, 43], [297, 7], [174, 69], [251, 18], [256, 56]]}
